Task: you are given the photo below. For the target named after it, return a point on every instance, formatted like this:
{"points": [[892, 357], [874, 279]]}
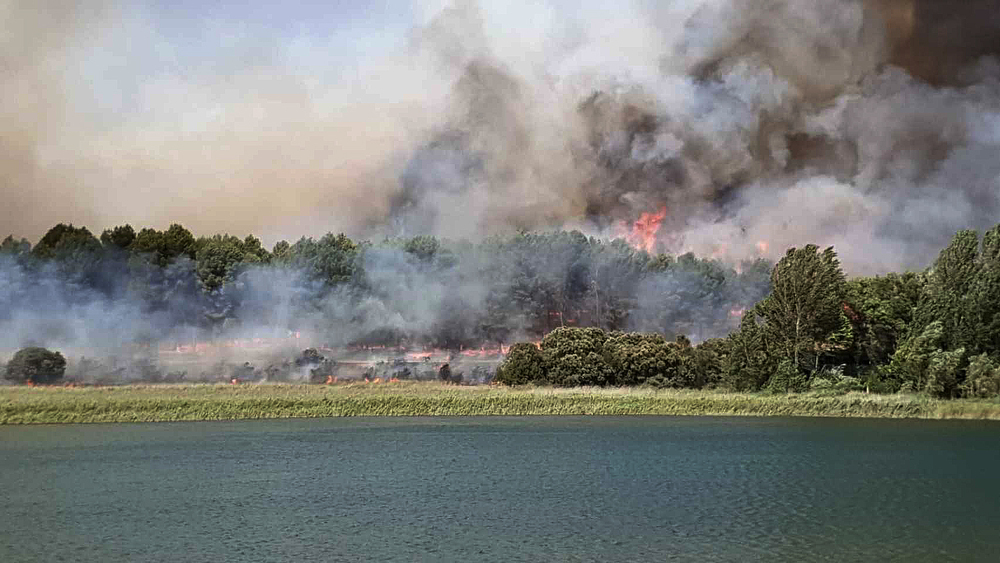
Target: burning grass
{"points": [[158, 403]]}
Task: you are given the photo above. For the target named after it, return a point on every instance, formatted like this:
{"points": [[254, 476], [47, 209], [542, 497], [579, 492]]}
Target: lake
{"points": [[503, 489]]}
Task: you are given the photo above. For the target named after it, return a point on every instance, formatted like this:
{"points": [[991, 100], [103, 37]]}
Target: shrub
{"points": [[575, 356], [942, 373], [36, 365], [787, 378], [522, 365], [636, 358], [983, 379]]}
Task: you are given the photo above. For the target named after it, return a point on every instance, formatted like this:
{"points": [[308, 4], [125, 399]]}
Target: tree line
{"points": [[603, 312], [417, 291], [936, 332]]}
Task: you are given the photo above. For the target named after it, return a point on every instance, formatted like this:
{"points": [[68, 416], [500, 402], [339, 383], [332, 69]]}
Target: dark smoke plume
{"points": [[864, 124]]}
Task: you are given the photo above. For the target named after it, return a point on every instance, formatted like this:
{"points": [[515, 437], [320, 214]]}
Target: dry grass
{"points": [[150, 403]]}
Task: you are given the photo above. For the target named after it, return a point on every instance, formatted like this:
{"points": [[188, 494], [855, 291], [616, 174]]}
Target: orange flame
{"points": [[643, 234]]}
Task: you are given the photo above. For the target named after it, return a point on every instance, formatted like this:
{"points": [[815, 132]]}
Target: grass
{"points": [[158, 403]]}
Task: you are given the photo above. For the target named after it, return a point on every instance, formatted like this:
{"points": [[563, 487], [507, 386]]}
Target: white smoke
{"points": [[868, 124]]}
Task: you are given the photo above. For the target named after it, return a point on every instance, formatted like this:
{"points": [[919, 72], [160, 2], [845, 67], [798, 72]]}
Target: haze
{"points": [[872, 126]]}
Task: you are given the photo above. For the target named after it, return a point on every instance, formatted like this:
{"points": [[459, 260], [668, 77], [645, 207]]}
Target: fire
{"points": [[762, 247], [643, 233]]}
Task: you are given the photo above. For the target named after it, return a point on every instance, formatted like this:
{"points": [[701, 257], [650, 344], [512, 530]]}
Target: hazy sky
{"points": [[866, 124], [151, 112]]}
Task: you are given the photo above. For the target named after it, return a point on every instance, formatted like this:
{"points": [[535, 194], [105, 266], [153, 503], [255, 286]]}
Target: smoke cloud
{"points": [[870, 125]]}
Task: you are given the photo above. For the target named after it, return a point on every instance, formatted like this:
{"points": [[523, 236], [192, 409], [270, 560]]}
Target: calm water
{"points": [[503, 489]]}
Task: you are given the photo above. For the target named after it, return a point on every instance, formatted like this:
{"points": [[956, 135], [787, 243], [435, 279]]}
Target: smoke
{"points": [[869, 125], [757, 124], [119, 317]]}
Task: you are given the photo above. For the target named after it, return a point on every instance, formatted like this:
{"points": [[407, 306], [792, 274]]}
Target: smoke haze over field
{"points": [[869, 125]]}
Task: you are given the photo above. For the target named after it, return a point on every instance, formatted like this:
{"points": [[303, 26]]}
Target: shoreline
{"points": [[21, 405]]}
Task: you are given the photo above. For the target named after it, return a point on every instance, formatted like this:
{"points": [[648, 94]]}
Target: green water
{"points": [[503, 489]]}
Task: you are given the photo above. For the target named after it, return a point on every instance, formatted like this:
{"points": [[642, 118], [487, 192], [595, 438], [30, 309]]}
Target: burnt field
{"points": [[249, 361]]}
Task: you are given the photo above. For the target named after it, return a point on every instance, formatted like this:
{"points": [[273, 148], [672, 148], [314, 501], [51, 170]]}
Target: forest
{"points": [[935, 332], [125, 287], [583, 310]]}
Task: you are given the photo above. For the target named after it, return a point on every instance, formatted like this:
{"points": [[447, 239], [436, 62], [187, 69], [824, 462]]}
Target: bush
{"points": [[636, 358], [575, 356], [36, 365], [788, 379], [983, 379], [522, 365], [942, 373]]}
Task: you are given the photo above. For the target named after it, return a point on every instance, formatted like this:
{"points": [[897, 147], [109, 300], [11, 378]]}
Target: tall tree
{"points": [[881, 310], [119, 237], [805, 307], [948, 297], [164, 247]]}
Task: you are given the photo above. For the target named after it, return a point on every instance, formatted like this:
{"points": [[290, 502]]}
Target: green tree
{"points": [[702, 365], [280, 250], [983, 307], [422, 247], [575, 356], [748, 361], [119, 237], [332, 260], [36, 365], [523, 364], [943, 372], [912, 361], [220, 258], [14, 247], [75, 254], [881, 310], [949, 297], [166, 246], [636, 358], [66, 242], [982, 379], [805, 307]]}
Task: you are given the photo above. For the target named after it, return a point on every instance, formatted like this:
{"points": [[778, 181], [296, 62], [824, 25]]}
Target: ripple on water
{"points": [[502, 489]]}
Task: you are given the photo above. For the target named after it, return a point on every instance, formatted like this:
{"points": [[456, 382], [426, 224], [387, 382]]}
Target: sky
{"points": [[112, 99], [864, 124]]}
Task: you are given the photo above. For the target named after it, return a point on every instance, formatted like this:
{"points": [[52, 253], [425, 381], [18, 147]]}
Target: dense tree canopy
{"points": [[36, 365], [604, 312], [805, 305]]}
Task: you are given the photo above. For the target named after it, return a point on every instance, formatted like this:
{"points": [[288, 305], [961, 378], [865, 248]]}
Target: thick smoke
{"points": [[136, 317], [869, 125], [757, 125]]}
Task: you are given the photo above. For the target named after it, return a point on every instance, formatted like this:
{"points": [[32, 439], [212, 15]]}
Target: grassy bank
{"points": [[154, 403]]}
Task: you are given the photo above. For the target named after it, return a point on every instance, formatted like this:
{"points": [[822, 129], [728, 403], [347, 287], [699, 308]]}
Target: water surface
{"points": [[503, 489]]}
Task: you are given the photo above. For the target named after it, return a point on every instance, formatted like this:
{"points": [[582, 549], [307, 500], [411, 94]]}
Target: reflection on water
{"points": [[503, 489]]}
